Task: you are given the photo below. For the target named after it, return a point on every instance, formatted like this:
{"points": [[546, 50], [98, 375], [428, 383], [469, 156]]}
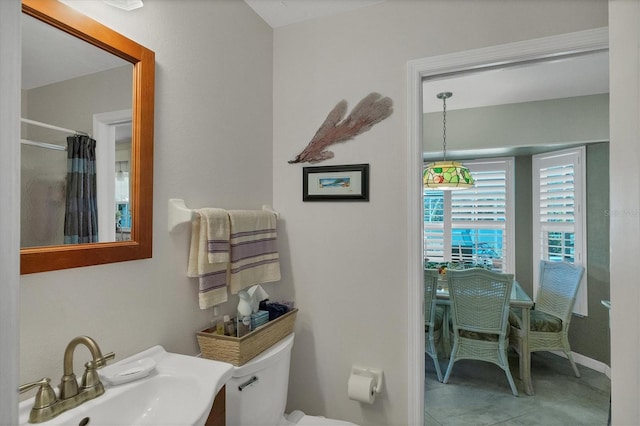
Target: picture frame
{"points": [[336, 183]]}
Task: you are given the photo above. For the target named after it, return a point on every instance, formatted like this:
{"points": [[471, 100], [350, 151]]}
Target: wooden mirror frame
{"points": [[50, 258]]}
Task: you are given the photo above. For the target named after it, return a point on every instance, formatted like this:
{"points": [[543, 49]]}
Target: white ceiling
{"points": [[50, 55], [560, 78], [278, 13]]}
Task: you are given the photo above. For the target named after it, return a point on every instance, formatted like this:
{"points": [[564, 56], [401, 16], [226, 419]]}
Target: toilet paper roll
{"points": [[361, 388]]}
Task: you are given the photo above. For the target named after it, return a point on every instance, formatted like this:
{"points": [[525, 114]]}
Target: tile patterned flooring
{"points": [[478, 394]]}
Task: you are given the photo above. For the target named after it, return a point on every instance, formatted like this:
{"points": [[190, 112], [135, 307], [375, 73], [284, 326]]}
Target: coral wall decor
{"points": [[371, 110]]}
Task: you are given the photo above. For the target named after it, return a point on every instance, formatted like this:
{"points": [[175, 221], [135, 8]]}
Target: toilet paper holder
{"points": [[375, 373]]}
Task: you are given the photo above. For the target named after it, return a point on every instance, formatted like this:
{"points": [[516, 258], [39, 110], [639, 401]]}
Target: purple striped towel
{"points": [[218, 234], [254, 251]]}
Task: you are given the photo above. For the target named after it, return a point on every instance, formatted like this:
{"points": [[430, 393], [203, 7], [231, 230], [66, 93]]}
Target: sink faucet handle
{"points": [[45, 396], [100, 362]]}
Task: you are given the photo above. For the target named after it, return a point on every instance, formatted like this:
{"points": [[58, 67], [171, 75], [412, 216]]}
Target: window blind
{"points": [[559, 224]]}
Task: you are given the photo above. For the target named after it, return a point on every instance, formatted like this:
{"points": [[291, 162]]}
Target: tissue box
{"points": [[239, 350], [259, 318]]}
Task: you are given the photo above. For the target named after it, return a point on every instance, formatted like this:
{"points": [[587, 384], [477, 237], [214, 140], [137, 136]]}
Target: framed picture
{"points": [[336, 183]]}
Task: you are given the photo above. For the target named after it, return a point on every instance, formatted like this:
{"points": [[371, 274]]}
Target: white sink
{"points": [[179, 390]]}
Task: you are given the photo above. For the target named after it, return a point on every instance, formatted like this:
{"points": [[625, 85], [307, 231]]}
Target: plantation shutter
{"points": [[434, 226], [559, 222]]}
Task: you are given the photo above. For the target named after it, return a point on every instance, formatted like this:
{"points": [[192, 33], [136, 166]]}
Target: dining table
{"points": [[519, 300]]}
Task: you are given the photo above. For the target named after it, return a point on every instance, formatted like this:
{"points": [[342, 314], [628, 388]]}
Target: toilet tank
{"points": [[257, 390]]}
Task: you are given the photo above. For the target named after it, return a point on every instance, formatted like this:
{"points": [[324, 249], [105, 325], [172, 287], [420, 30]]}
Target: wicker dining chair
{"points": [[433, 316], [550, 319], [480, 318]]}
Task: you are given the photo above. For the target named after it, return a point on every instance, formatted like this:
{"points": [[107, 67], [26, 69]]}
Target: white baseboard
{"points": [[588, 362]]}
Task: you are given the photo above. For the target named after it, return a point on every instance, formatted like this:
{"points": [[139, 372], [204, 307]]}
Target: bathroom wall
{"points": [[9, 208], [213, 132], [348, 267], [624, 154]]}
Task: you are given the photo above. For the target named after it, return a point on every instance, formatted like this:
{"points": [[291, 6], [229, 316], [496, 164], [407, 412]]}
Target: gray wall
{"points": [[556, 121], [590, 336], [9, 208], [524, 216]]}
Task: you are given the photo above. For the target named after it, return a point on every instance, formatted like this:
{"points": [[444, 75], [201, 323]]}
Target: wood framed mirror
{"points": [[139, 245]]}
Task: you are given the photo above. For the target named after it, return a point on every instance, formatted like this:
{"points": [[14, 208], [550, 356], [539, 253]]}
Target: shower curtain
{"points": [[81, 215]]}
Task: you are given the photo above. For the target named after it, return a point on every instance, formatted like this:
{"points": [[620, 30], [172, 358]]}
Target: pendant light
{"points": [[446, 175]]}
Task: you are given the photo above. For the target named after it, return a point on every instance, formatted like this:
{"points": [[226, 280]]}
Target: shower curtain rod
{"points": [[48, 126], [51, 126], [43, 145]]}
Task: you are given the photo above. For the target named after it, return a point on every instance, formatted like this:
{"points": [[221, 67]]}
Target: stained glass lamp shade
{"points": [[447, 175]]}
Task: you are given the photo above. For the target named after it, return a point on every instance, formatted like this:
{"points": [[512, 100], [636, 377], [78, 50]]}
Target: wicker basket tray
{"points": [[239, 350]]}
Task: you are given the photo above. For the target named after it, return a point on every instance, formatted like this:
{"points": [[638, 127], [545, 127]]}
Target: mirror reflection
{"points": [[76, 140]]}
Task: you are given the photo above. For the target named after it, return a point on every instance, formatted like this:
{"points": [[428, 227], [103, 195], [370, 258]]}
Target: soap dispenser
{"points": [[244, 305], [244, 313]]}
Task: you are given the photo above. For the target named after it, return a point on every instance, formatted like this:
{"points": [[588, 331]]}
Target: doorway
{"points": [[487, 58], [113, 130]]}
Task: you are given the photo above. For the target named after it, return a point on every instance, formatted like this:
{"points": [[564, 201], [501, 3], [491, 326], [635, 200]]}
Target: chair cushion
{"points": [[478, 336], [539, 321], [474, 334], [438, 319]]}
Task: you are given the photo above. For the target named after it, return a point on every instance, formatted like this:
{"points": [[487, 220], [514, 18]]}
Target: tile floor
{"points": [[478, 394]]}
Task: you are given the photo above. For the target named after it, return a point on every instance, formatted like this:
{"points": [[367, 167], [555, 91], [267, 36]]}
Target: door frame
{"points": [[104, 130], [546, 48]]}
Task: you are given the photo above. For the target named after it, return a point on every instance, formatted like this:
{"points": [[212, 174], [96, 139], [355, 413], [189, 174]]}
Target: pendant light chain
{"points": [[444, 128], [446, 175]]}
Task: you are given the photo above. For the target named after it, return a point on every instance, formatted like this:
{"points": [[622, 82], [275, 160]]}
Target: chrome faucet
{"points": [[46, 406]]}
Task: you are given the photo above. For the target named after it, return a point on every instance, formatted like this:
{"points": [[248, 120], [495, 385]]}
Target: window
{"points": [[559, 223], [473, 226]]}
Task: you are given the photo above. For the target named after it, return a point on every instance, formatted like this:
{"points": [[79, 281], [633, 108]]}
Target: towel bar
{"points": [[179, 213]]}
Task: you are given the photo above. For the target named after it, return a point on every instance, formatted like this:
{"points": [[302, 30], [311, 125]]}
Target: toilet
{"points": [[257, 392]]}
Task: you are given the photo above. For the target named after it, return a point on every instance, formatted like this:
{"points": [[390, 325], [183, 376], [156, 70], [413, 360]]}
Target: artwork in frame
{"points": [[336, 183]]}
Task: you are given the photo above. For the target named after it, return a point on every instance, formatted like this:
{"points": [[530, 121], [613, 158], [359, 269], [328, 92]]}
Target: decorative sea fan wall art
{"points": [[371, 110]]}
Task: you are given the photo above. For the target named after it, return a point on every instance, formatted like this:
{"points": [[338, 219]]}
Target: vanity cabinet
{"points": [[218, 411]]}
